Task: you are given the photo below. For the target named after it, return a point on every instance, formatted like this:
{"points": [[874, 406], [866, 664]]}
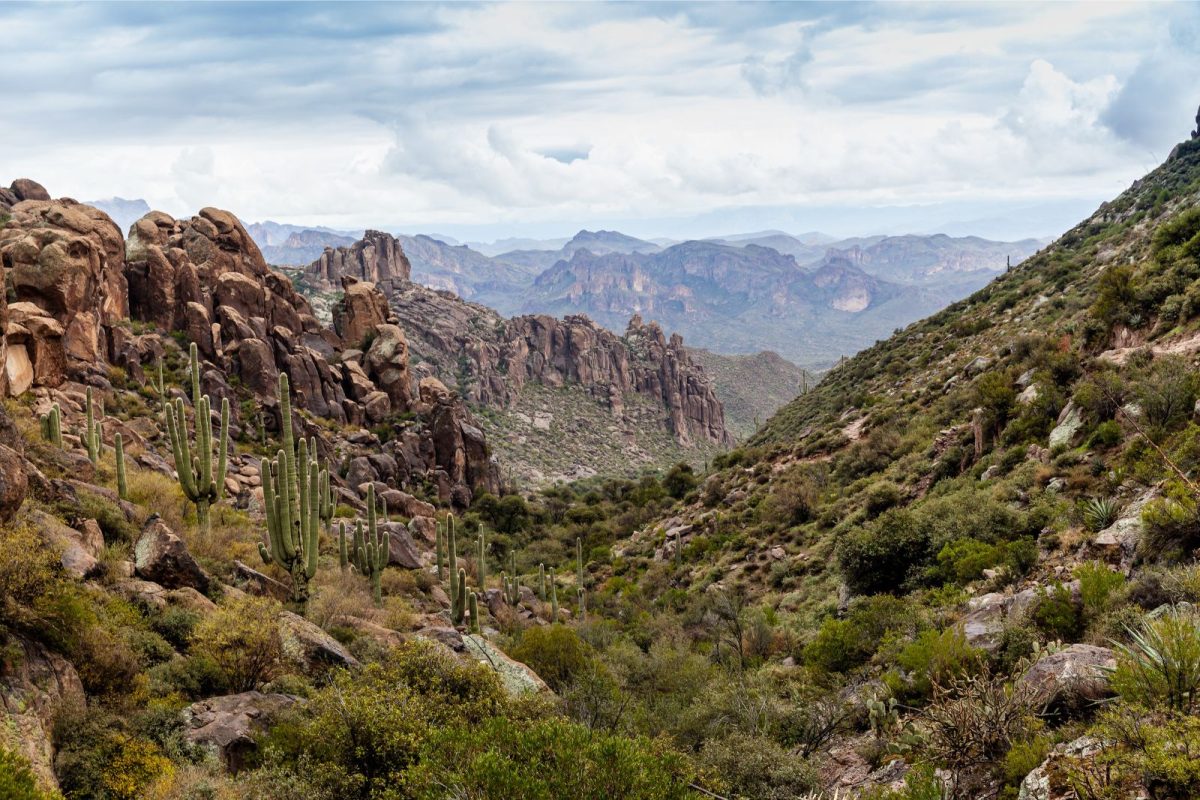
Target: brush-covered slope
{"points": [[965, 528]]}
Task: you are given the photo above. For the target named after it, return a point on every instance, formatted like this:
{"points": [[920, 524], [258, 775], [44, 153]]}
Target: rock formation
{"points": [[491, 359], [78, 283], [376, 257]]}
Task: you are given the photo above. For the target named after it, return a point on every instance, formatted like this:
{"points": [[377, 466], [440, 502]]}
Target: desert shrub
{"points": [[1161, 665], [1097, 586], [965, 560], [971, 724], [679, 480], [1167, 393], [934, 658], [359, 735], [921, 783], [554, 652], [793, 500], [35, 596], [1056, 614], [16, 779], [546, 759], [842, 644], [1144, 749], [1107, 434], [1172, 523], [99, 759], [242, 638], [880, 496], [885, 555], [756, 766]]}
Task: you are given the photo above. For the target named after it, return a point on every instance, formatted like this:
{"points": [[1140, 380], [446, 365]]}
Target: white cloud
{"points": [[368, 115]]}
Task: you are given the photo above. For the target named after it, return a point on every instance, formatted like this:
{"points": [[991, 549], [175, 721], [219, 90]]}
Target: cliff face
{"points": [[492, 358], [78, 283], [375, 257]]}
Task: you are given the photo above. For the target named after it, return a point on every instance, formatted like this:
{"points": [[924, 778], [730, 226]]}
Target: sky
{"points": [[661, 119]]}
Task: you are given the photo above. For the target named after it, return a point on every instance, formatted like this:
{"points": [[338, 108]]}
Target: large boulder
{"points": [[27, 189], [517, 678], [361, 310], [1078, 673], [162, 557], [35, 687], [386, 362], [310, 647], [227, 726]]}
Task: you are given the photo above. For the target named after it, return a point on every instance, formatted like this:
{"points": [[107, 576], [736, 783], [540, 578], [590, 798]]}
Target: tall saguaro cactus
{"points": [[458, 604], [122, 485], [52, 425], [457, 576], [372, 555], [202, 480], [440, 551], [553, 597], [474, 610], [92, 435], [481, 556], [292, 486]]}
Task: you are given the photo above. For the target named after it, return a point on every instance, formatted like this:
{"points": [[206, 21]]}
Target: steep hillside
{"points": [[469, 274], [753, 387], [986, 524], [566, 397]]}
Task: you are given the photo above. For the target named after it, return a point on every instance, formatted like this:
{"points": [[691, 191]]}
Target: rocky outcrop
{"points": [[375, 257], [1078, 673], [227, 726], [34, 688], [490, 359], [360, 311], [64, 263], [161, 556]]}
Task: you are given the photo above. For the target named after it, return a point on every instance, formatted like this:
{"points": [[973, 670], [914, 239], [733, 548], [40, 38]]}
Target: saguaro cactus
{"points": [[122, 486], [52, 425], [202, 481], [292, 496], [553, 597], [92, 435], [452, 563], [458, 603], [582, 598], [542, 582], [474, 610], [343, 551], [579, 579], [481, 557], [372, 556]]}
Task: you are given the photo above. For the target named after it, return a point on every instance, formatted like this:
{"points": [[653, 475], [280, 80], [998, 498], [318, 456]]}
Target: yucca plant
{"points": [[1161, 665], [1099, 513]]}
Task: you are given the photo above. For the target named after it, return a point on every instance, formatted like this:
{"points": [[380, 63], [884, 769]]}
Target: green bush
{"points": [[1055, 614], [1097, 585], [242, 638], [885, 555], [758, 767], [680, 480], [934, 658], [16, 779], [546, 759], [555, 652]]}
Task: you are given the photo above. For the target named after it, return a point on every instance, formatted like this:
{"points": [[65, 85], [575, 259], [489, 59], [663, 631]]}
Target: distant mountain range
{"points": [[809, 297], [123, 212]]}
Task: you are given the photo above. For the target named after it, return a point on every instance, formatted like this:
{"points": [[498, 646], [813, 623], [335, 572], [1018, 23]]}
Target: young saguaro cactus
{"points": [[452, 562], [553, 597], [52, 425], [542, 582], [372, 556], [93, 434], [481, 560], [122, 485], [474, 611], [458, 604], [440, 551], [202, 480], [343, 551], [292, 485]]}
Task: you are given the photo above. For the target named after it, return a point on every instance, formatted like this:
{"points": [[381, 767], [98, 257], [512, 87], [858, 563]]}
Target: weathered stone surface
{"points": [[227, 725], [35, 686], [375, 257], [361, 310], [254, 582], [1077, 673], [402, 551], [500, 356], [387, 365], [517, 678], [162, 557], [311, 647], [13, 483], [77, 558], [1118, 543], [1070, 420], [1049, 781]]}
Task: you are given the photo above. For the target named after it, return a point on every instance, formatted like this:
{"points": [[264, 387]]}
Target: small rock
{"points": [[310, 646], [228, 725]]}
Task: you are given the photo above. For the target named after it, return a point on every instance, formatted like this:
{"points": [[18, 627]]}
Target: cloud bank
{"points": [[532, 117]]}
